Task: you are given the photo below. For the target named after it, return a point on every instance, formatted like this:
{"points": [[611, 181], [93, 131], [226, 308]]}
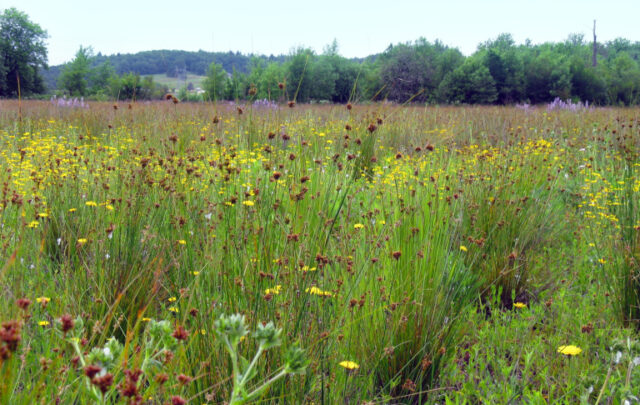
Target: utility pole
{"points": [[594, 60]]}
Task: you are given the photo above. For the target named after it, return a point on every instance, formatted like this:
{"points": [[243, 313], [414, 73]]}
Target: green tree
{"points": [[323, 78], [300, 74], [505, 65], [23, 54], [623, 80], [469, 83], [100, 77], [268, 85], [547, 76], [75, 74], [215, 84], [587, 82]]}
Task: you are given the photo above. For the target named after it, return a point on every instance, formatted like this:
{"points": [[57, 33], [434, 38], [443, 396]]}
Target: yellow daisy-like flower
{"points": [[182, 242], [82, 241], [72, 210], [358, 226], [174, 309], [349, 365], [172, 299], [273, 291], [43, 323], [33, 224], [91, 204], [43, 215], [316, 291], [43, 300], [569, 350], [463, 248], [146, 319], [519, 305], [248, 203]]}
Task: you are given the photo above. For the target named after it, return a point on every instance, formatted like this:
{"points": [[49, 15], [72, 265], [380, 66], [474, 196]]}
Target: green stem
{"points": [[247, 372]]}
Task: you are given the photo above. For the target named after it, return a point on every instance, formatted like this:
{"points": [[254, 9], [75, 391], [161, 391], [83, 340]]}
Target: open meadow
{"points": [[376, 253]]}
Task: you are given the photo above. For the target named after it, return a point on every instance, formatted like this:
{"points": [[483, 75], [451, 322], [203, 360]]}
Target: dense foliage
{"points": [[22, 54]]}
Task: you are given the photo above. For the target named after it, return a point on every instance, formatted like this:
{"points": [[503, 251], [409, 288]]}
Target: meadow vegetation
{"points": [[375, 253]]}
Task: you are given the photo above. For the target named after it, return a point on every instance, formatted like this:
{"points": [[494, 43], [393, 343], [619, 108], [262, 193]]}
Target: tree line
{"points": [[499, 72]]}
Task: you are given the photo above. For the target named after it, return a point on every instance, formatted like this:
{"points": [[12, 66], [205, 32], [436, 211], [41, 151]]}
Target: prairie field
{"points": [[163, 252]]}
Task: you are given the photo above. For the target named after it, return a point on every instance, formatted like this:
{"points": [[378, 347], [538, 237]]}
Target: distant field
{"points": [[175, 83]]}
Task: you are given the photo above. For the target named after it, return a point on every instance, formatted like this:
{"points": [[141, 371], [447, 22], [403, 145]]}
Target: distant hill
{"points": [[169, 62]]}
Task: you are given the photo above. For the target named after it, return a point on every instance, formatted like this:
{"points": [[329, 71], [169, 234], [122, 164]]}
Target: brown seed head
{"points": [[23, 303], [67, 323], [180, 333], [91, 370]]}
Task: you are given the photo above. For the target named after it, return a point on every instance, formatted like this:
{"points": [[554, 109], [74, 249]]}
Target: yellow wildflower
{"points": [[316, 291], [273, 291], [569, 350], [349, 365]]}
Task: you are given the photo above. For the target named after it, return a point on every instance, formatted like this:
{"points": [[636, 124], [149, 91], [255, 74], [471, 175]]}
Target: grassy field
{"points": [[175, 83], [378, 254]]}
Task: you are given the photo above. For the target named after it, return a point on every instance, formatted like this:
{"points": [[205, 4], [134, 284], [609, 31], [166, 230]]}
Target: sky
{"points": [[277, 26]]}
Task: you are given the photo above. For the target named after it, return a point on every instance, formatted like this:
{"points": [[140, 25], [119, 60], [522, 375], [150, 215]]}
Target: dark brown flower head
{"points": [[91, 370], [161, 378], [240, 110], [271, 135], [115, 106], [372, 127], [291, 104], [175, 100], [184, 379], [396, 255], [178, 400], [10, 335], [347, 127], [180, 333], [168, 96], [133, 375], [23, 303], [349, 106], [67, 323], [215, 119], [103, 382], [281, 85]]}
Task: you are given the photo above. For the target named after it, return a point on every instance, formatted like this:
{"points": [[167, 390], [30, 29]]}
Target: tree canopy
{"points": [[23, 54]]}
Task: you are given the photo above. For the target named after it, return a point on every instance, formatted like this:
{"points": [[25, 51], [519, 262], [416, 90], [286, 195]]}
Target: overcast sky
{"points": [[276, 26]]}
